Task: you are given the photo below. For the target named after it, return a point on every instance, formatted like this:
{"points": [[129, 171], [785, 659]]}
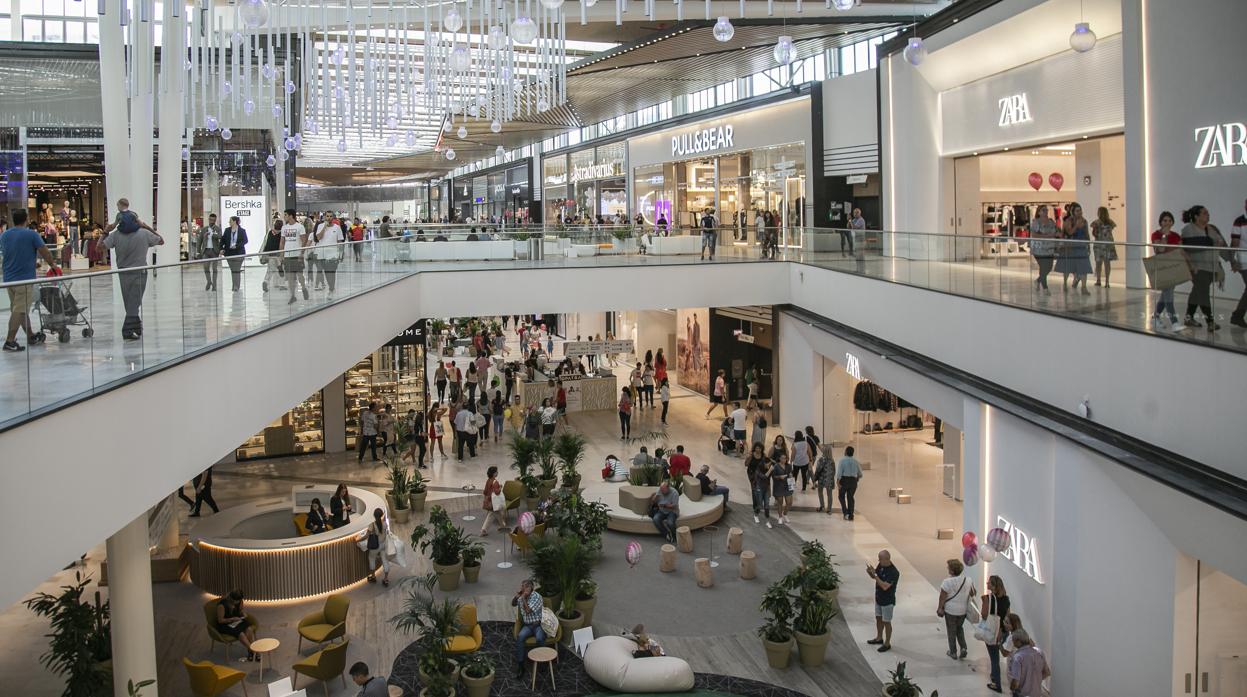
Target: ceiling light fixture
{"points": [[1082, 39]]}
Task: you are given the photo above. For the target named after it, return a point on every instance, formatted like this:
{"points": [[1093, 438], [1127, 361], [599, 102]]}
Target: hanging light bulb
{"points": [[500, 151], [270, 161], [474, 110], [252, 13], [226, 134], [337, 92], [236, 37], [843, 5], [523, 30], [392, 122], [497, 38], [339, 55], [462, 133], [784, 50], [277, 111], [1082, 39], [289, 87], [411, 139], [391, 140], [915, 52], [267, 71], [450, 153], [459, 60], [495, 126], [453, 21], [342, 145], [248, 106], [543, 104], [283, 155], [552, 4], [210, 123], [289, 143], [298, 141], [313, 127], [723, 30], [446, 127], [226, 88]]}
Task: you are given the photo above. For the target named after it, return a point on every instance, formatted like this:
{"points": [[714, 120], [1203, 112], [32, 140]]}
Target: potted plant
{"points": [[434, 623], [586, 600], [570, 449], [397, 496], [571, 514], [811, 613], [532, 491], [80, 646], [545, 463], [776, 629], [902, 686], [444, 542], [472, 554], [417, 491], [565, 562], [477, 674]]}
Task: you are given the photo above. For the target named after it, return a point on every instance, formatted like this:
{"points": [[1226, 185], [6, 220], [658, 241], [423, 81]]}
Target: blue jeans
{"points": [[761, 501], [665, 522], [993, 655], [1165, 304], [526, 631], [720, 490]]}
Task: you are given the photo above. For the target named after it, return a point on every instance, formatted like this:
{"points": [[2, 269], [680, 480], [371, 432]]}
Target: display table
{"points": [[462, 250], [583, 394], [680, 244], [252, 547]]}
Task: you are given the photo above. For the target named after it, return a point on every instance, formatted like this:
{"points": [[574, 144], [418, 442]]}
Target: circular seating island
{"points": [[257, 547], [629, 504]]}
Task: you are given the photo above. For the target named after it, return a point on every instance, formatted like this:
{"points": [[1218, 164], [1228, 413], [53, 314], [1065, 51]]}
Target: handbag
{"points": [[498, 502], [362, 541], [1167, 270], [987, 630]]}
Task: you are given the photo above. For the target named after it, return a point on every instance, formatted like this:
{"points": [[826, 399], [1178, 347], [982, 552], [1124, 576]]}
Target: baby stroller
{"points": [[58, 310]]}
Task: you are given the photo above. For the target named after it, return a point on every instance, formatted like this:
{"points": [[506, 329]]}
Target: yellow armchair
{"points": [[300, 524], [513, 492], [469, 638], [531, 642], [323, 665], [216, 636], [209, 679], [524, 542], [328, 624]]}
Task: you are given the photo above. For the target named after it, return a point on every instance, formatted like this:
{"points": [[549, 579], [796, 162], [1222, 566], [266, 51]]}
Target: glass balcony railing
{"points": [[84, 341]]}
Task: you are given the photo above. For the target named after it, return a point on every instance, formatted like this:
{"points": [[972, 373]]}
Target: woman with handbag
{"points": [[378, 532], [990, 629], [956, 596], [492, 496], [782, 484], [1204, 262], [1168, 240], [1074, 257]]}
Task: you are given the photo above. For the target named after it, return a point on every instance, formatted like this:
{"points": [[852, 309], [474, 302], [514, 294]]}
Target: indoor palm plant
{"points": [[819, 570], [444, 542], [901, 686], [397, 496], [546, 466], [776, 629], [812, 610], [80, 646], [565, 562], [571, 514], [523, 458], [477, 674], [570, 449], [417, 491], [434, 622]]}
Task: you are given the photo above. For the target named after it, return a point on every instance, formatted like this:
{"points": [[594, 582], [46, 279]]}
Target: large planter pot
{"points": [[812, 648], [448, 576], [547, 485], [478, 687], [454, 674], [831, 595], [532, 503], [569, 626], [585, 606], [400, 515], [573, 483], [550, 601], [416, 501], [472, 574], [778, 654]]}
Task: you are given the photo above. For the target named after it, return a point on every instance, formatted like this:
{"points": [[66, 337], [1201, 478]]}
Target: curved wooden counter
{"points": [[286, 568]]}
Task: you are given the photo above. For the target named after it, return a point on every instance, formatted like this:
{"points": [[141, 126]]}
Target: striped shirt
{"points": [[530, 608]]}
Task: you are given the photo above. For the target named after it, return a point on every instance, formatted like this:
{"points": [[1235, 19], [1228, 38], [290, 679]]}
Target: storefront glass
{"points": [[517, 191], [297, 432], [654, 189], [554, 179], [392, 375]]}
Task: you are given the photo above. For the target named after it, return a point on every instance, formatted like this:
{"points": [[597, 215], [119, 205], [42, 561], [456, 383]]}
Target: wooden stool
{"points": [[748, 564], [546, 655], [701, 567], [666, 559], [735, 540], [684, 539]]}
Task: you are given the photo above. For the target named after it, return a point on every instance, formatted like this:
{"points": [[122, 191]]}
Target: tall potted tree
{"points": [[444, 542], [397, 496], [776, 629], [564, 562], [80, 646], [570, 450], [434, 622], [819, 570], [546, 466]]}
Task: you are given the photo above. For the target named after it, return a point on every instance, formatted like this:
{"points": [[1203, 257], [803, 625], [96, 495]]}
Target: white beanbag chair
{"points": [[609, 661]]}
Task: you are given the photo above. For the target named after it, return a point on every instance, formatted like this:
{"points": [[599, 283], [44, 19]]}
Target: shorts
{"points": [[884, 612], [19, 298], [716, 399], [738, 435], [294, 264], [562, 410]]}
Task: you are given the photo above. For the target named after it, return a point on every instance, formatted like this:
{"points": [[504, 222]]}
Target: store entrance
{"points": [[1210, 655]]}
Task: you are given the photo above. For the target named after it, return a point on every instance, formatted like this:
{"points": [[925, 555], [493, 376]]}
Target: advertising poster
{"points": [[692, 365], [252, 212]]}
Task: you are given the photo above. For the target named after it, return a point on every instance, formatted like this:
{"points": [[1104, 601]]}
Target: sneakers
{"points": [[768, 524], [756, 519], [1176, 325], [1190, 322], [13, 346]]}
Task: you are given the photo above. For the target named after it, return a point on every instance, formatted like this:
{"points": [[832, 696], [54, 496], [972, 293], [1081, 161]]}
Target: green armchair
{"points": [[326, 625], [513, 492], [323, 665], [209, 679], [213, 634]]}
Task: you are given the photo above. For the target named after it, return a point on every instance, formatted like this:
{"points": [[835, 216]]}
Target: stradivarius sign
{"points": [[702, 140], [1222, 145]]}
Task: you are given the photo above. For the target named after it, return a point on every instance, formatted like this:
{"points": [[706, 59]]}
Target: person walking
{"points": [[1198, 233], [378, 530], [825, 478], [758, 470], [886, 576], [848, 474], [664, 395], [272, 261], [202, 484], [956, 594], [418, 446], [207, 246], [1105, 251], [293, 240], [368, 428], [634, 382], [466, 428], [718, 394], [387, 435], [130, 238], [1165, 241], [782, 484], [995, 604], [1043, 246], [625, 414], [1238, 264], [647, 384], [758, 437], [20, 245], [800, 459], [496, 513], [437, 430], [455, 377], [470, 380], [439, 381], [233, 247], [1027, 667], [1074, 256], [709, 233], [740, 424], [328, 240], [751, 384]]}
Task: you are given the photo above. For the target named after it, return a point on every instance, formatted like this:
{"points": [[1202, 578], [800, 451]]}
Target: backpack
{"points": [[128, 222]]}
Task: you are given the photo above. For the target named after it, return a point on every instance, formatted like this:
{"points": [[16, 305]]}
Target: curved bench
{"points": [[628, 512]]}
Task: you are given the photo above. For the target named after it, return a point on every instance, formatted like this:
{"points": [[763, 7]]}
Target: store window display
{"points": [[393, 376], [297, 432]]}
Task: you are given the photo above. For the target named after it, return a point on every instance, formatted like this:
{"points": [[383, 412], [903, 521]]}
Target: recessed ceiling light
{"points": [[1006, 149]]}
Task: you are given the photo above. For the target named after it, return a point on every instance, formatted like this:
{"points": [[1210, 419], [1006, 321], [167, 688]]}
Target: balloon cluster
{"points": [[972, 551], [632, 552]]}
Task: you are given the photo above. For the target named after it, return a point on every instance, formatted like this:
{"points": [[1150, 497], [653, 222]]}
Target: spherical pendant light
{"points": [[226, 134], [915, 52], [543, 104], [289, 87], [446, 127], [392, 122], [283, 155], [210, 123], [459, 59], [248, 106], [270, 160], [784, 51], [289, 143], [186, 153], [453, 21], [552, 4], [500, 151], [267, 71], [450, 153], [523, 30], [411, 139], [843, 5], [252, 13], [342, 145], [462, 133], [277, 111], [391, 140], [1082, 39], [474, 110], [495, 126], [237, 37], [497, 38], [312, 127], [723, 30], [226, 88]]}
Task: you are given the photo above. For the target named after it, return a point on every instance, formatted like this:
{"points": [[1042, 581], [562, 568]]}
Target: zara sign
{"points": [[1023, 550], [1014, 110], [1222, 145]]}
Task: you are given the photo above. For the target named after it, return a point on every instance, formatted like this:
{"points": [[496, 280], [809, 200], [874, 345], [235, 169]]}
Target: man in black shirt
{"points": [[885, 576]]}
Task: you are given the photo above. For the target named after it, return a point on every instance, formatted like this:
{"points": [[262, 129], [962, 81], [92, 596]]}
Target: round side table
{"points": [[262, 647], [543, 654]]}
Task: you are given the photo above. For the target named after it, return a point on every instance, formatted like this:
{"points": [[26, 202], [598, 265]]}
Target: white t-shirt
{"points": [[958, 596], [740, 419], [548, 416], [291, 245], [719, 387], [664, 393], [330, 234]]}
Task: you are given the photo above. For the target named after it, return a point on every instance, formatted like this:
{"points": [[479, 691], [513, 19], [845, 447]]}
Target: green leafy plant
{"points": [[80, 642], [819, 570], [622, 234], [645, 475], [571, 514], [523, 453], [677, 483], [400, 483], [588, 589], [433, 622], [477, 665], [566, 561], [520, 236], [777, 611], [812, 610], [570, 450], [441, 539], [902, 686], [532, 485], [472, 553], [416, 484], [546, 459], [137, 690]]}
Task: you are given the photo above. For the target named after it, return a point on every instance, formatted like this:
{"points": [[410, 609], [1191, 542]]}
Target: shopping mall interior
{"points": [[728, 349]]}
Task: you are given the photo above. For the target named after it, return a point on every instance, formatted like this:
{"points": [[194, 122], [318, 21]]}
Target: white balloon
{"points": [[986, 553]]}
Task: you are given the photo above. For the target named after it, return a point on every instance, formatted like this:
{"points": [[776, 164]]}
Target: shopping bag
{"points": [[988, 629], [1167, 270], [362, 541], [395, 550], [497, 502]]}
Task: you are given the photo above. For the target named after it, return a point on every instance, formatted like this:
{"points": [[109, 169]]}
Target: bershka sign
{"points": [[1023, 550], [1223, 145], [702, 140], [252, 212], [1014, 109]]}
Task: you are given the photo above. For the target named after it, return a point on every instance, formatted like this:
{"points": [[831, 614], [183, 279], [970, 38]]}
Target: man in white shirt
{"points": [[465, 428], [740, 423], [328, 240], [293, 240]]}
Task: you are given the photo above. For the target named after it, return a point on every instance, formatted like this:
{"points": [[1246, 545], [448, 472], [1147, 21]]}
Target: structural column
{"points": [[116, 118], [142, 110], [212, 198], [130, 601], [172, 126]]}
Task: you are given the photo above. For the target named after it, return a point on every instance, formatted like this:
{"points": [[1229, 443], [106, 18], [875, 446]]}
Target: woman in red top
{"points": [[1166, 236], [492, 487], [660, 367]]}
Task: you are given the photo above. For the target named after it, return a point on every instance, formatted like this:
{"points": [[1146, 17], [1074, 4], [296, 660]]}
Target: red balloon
{"points": [[1056, 180], [968, 539], [1035, 180]]}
